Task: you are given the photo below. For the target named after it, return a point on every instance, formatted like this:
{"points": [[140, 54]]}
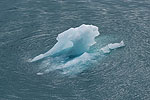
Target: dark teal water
{"points": [[30, 27]]}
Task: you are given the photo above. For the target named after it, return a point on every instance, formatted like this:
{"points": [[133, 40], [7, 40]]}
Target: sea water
{"points": [[30, 27]]}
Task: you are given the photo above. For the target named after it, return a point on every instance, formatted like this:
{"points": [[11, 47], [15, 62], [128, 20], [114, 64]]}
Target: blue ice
{"points": [[71, 52]]}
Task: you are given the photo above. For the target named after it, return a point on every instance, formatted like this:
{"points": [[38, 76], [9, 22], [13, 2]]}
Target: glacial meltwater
{"points": [[75, 50]]}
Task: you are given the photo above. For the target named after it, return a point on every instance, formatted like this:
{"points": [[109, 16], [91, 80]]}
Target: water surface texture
{"points": [[30, 27]]}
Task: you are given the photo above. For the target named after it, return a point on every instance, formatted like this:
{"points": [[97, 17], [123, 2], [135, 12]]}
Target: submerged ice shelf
{"points": [[71, 52]]}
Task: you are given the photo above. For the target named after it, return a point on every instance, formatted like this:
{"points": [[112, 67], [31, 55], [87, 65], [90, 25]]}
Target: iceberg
{"points": [[72, 54], [72, 42], [111, 46]]}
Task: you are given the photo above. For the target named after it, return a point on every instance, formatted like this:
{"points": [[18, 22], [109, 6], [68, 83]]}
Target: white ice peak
{"points": [[72, 42]]}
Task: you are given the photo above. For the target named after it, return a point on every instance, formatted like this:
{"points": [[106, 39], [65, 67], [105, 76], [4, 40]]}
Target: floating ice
{"points": [[39, 73], [73, 42], [105, 49], [71, 55], [111, 46]]}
